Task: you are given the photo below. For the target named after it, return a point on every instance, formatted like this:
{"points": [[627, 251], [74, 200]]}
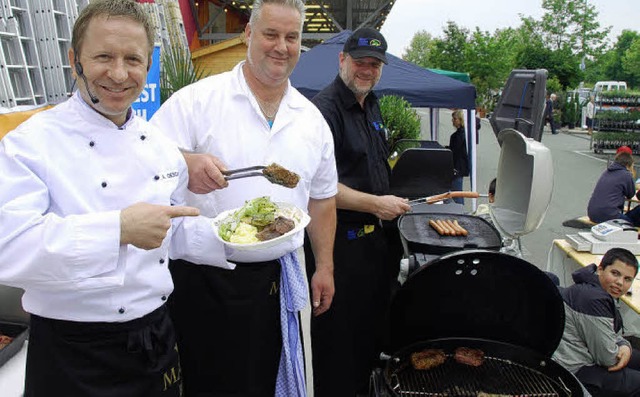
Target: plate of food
{"points": [[260, 223]]}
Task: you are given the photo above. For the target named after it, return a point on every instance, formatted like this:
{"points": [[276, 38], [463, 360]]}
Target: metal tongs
{"points": [[242, 173], [443, 196], [267, 172]]}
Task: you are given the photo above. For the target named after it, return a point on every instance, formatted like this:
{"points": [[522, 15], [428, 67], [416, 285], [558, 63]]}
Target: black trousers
{"points": [[602, 383], [228, 328], [347, 339], [79, 359]]}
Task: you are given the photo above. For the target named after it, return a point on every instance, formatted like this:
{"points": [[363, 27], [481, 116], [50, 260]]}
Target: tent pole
{"points": [[471, 135], [435, 123]]}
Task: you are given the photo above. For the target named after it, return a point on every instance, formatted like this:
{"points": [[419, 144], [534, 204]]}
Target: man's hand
{"points": [[623, 356], [390, 207], [204, 172], [322, 233], [322, 291], [145, 225]]}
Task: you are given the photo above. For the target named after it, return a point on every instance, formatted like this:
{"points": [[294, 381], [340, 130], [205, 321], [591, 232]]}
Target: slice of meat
{"points": [[283, 225], [281, 176], [427, 359], [277, 228], [268, 233], [469, 356]]}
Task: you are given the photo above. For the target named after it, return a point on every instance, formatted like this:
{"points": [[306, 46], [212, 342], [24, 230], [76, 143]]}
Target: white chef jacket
{"points": [[65, 175], [219, 115]]}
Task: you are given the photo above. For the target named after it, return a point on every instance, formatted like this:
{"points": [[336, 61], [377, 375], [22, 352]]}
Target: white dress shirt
{"points": [[66, 173], [219, 115]]}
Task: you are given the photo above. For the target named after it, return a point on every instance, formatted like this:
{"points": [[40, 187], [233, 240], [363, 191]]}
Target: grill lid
{"points": [[524, 184], [478, 294]]}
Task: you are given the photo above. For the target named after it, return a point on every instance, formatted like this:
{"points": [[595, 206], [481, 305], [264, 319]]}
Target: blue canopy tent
{"points": [[420, 87]]}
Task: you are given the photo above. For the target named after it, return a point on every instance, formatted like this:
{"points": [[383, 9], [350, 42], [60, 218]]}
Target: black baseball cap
{"points": [[366, 42]]}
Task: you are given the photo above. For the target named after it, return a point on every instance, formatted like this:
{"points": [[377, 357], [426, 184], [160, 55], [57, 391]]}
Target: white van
{"points": [[609, 86]]}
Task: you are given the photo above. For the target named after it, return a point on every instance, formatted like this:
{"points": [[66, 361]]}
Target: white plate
{"points": [[300, 218]]}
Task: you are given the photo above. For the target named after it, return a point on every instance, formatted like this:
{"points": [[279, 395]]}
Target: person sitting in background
{"points": [[614, 187], [592, 346], [625, 149]]}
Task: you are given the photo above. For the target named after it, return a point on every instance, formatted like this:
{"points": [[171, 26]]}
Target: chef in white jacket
{"points": [[90, 213]]}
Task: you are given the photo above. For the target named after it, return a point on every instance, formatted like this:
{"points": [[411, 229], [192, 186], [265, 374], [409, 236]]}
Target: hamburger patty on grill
{"points": [[469, 356], [427, 359]]}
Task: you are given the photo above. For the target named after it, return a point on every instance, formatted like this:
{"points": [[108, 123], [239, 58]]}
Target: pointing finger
{"points": [[177, 211]]}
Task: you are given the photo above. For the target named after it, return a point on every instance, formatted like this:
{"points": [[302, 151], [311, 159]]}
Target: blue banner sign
{"points": [[149, 100]]}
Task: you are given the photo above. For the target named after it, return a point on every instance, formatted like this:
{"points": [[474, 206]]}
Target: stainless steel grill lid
{"points": [[478, 294]]}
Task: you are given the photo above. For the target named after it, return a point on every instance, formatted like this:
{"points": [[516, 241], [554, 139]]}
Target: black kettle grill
{"points": [[479, 299]]}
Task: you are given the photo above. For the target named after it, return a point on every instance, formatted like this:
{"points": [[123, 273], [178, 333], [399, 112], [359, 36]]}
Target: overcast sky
{"points": [[410, 16]]}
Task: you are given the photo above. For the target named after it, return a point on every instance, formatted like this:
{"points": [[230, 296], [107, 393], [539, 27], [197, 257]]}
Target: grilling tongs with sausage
{"points": [[444, 196]]}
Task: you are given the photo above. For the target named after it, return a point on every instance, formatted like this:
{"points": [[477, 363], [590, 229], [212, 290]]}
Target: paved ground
{"points": [[576, 170]]}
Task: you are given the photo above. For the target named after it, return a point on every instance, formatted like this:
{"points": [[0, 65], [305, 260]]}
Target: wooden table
{"points": [[564, 260]]}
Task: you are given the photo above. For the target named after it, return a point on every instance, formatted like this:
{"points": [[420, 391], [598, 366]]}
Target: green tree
{"points": [[631, 62], [557, 22], [590, 38], [419, 49], [489, 59], [573, 24], [614, 69], [596, 68], [561, 64], [449, 51]]}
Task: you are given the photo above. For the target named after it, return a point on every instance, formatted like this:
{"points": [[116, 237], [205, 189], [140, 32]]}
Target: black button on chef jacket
{"points": [[361, 147]]}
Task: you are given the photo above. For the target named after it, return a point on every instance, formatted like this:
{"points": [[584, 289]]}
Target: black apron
{"points": [[99, 359], [228, 328], [346, 340]]}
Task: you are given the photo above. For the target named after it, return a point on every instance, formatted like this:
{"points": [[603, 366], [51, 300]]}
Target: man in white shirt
{"points": [[229, 323], [90, 212], [590, 114]]}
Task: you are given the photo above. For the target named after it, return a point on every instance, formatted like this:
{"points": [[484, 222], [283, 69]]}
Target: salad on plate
{"points": [[259, 220]]}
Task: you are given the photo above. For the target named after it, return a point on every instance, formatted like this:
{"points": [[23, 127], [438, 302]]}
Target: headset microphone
{"points": [[80, 72]]}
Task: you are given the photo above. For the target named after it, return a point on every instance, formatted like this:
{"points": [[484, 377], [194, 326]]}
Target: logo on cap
{"points": [[363, 41]]}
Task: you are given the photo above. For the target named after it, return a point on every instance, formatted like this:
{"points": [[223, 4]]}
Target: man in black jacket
{"points": [[346, 339]]}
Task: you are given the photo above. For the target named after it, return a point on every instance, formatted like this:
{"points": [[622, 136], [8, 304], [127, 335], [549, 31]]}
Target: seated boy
{"points": [[592, 346]]}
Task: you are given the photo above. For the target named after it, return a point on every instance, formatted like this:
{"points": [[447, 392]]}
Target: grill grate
{"points": [[495, 377]]}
